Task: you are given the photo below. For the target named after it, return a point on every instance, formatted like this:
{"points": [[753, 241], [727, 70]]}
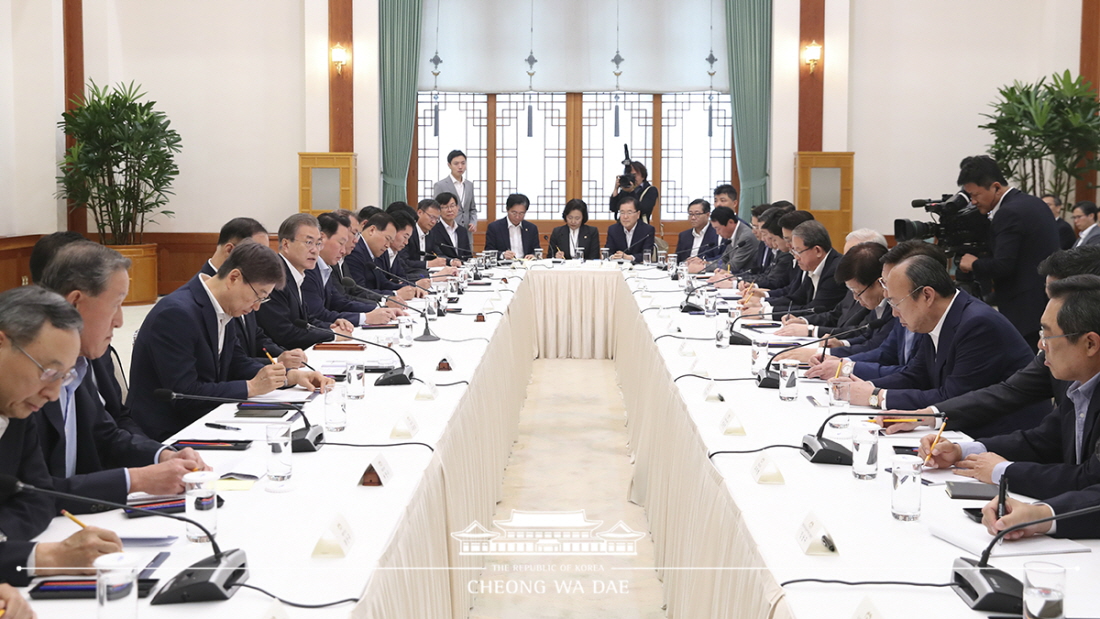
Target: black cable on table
{"points": [[720, 380], [860, 583], [383, 445], [751, 451], [476, 313], [458, 382], [684, 337], [675, 307], [295, 604], [469, 339]]}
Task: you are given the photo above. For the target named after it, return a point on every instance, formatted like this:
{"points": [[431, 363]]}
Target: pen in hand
{"points": [[66, 514], [1002, 496], [219, 426]]}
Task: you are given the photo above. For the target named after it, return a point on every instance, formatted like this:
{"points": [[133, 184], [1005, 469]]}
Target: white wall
{"points": [[367, 93]]}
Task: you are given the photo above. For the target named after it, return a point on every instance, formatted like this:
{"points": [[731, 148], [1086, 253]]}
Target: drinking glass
{"points": [[605, 253], [788, 380], [840, 393], [404, 331], [905, 499], [116, 586], [722, 333], [336, 409], [279, 465], [201, 504], [1044, 590], [710, 302], [357, 379], [538, 253], [865, 450]]}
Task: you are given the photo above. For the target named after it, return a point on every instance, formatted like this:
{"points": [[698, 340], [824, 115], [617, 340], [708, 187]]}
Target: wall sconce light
{"points": [[812, 54], [339, 57]]}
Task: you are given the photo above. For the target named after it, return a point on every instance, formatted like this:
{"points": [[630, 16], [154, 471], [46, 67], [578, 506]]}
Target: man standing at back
{"points": [[462, 189], [1022, 234]]}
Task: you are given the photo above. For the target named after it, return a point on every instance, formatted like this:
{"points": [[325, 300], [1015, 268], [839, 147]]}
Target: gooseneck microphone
{"points": [[740, 339], [211, 579], [769, 378], [366, 293], [398, 376], [307, 439], [427, 335], [458, 250], [983, 587], [374, 267], [687, 306]]}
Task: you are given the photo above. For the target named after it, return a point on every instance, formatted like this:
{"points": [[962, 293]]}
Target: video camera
{"points": [[626, 180], [961, 229]]}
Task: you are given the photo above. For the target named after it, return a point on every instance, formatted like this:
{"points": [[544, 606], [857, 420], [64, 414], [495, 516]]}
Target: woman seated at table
{"points": [[575, 237]]}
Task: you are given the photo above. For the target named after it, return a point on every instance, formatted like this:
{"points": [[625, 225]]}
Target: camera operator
{"points": [[636, 185], [1022, 234]]}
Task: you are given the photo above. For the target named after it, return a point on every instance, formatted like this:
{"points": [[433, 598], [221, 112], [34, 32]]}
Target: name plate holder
{"points": [[699, 367], [731, 425], [814, 539], [686, 349], [711, 393], [275, 610], [867, 610], [427, 391], [764, 471], [337, 539], [405, 428], [378, 472]]}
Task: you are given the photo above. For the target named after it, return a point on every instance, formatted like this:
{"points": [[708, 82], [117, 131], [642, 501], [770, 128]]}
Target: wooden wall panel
{"points": [[73, 33], [15, 255], [340, 85], [811, 88], [1090, 70]]}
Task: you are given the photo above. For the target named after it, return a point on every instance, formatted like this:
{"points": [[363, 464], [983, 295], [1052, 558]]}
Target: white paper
{"points": [[973, 538], [294, 394]]}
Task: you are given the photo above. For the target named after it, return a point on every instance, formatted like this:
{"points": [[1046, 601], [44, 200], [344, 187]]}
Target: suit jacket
{"points": [[827, 294], [102, 449], [413, 254], [888, 358], [763, 259], [847, 314], [1044, 457], [646, 196], [870, 341], [641, 240], [1089, 237], [738, 253], [24, 515], [410, 269], [467, 210], [251, 336], [977, 347], [1066, 236], [588, 237], [779, 273], [708, 248], [496, 237], [439, 243], [177, 349], [1081, 527], [1022, 234], [1033, 384], [326, 301], [277, 316]]}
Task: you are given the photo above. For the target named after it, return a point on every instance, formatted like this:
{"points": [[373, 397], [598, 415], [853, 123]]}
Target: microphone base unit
{"points": [[820, 450], [688, 306], [305, 440], [426, 337], [740, 339], [397, 376], [767, 379], [987, 588], [209, 580]]}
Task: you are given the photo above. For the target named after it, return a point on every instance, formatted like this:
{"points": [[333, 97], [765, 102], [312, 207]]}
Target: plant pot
{"points": [[143, 272]]}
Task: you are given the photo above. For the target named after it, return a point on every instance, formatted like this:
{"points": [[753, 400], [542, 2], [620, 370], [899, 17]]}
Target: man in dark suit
{"points": [[186, 344], [323, 295], [461, 188], [736, 248], [576, 237], [299, 246], [255, 342], [448, 238], [404, 221], [628, 237], [1066, 236], [765, 253], [416, 252], [813, 252], [371, 257], [1022, 234], [86, 451], [700, 239], [512, 237], [780, 269], [968, 346], [39, 345], [1059, 455], [1085, 213]]}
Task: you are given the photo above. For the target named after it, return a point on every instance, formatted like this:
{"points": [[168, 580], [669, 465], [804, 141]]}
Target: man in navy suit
{"points": [[86, 451], [39, 345], [700, 239], [813, 252], [629, 237], [1059, 455], [512, 237], [969, 346], [323, 295], [186, 344], [1021, 235], [1066, 236], [255, 342], [448, 238], [372, 257]]}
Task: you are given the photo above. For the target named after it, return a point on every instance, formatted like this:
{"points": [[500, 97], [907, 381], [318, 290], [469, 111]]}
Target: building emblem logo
{"points": [[548, 533]]}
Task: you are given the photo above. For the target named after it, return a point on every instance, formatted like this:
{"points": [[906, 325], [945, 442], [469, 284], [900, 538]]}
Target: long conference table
{"points": [[723, 542]]}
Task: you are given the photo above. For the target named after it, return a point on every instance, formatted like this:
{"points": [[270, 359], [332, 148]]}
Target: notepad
{"points": [[973, 538]]}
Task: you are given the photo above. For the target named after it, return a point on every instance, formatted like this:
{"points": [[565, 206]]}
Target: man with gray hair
{"points": [[85, 450], [39, 344], [970, 346], [864, 235], [813, 252]]}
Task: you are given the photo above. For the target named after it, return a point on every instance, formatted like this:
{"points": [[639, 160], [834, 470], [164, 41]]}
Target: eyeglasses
{"points": [[259, 300], [309, 244], [857, 295], [49, 374], [1044, 337], [798, 252], [694, 215], [895, 302]]}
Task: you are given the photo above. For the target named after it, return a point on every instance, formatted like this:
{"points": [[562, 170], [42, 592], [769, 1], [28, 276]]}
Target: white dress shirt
{"points": [[697, 241], [460, 189], [452, 231], [515, 239], [574, 236], [223, 318], [1084, 235], [629, 237], [935, 333]]}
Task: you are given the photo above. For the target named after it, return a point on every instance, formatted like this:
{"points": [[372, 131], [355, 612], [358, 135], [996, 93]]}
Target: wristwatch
{"points": [[873, 400]]}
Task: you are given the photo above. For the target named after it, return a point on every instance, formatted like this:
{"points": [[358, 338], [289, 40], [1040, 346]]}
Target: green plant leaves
{"points": [[122, 162]]}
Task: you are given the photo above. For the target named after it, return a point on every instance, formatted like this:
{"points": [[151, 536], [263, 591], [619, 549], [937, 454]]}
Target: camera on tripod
{"points": [[626, 180], [961, 228]]}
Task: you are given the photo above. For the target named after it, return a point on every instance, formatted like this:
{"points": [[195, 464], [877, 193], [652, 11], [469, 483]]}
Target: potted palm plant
{"points": [[121, 167]]}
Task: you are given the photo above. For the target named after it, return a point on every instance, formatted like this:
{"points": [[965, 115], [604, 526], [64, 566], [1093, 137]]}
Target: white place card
{"points": [[711, 393], [337, 539], [378, 473], [699, 367], [764, 471], [867, 610], [813, 539], [275, 610], [731, 425], [405, 428], [427, 391], [686, 349]]}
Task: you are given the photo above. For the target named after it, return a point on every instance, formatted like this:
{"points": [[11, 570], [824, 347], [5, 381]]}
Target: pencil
{"points": [[66, 514], [914, 420], [935, 442], [838, 367], [270, 358]]}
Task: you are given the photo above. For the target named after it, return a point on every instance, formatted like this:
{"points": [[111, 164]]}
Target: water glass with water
{"points": [[905, 498], [201, 504], [404, 331], [710, 302], [578, 255], [605, 253], [759, 355], [865, 450], [357, 381], [279, 465], [538, 253], [671, 260], [662, 257], [116, 585], [840, 394], [431, 307], [1044, 590], [788, 380], [722, 333], [336, 408]]}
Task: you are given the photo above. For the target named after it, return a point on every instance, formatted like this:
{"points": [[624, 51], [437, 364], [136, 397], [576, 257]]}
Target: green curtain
{"points": [[749, 45], [399, 47]]}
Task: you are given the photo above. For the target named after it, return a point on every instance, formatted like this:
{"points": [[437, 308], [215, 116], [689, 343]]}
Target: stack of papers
{"points": [[973, 538]]}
